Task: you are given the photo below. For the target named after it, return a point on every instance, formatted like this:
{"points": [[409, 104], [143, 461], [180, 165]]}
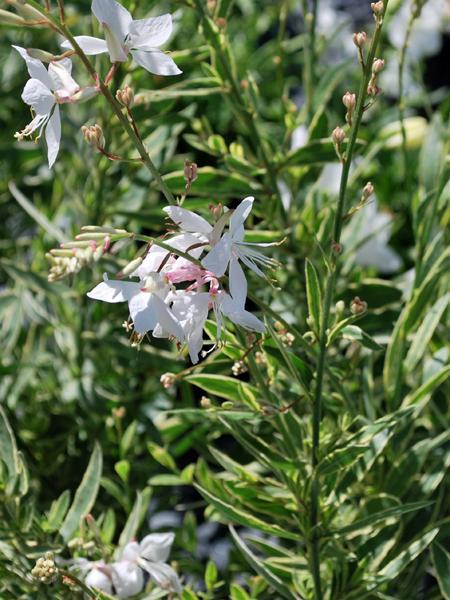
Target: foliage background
{"points": [[69, 377]]}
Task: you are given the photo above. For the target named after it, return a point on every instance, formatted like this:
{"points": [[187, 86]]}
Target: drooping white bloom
{"points": [[141, 38], [149, 555], [369, 231], [231, 249], [146, 302], [97, 574], [44, 92]]}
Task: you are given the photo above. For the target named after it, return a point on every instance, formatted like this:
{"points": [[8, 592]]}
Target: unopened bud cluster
{"points": [[360, 39], [377, 67], [190, 173], [93, 134], [377, 10], [125, 96], [239, 368], [286, 337], [45, 569]]}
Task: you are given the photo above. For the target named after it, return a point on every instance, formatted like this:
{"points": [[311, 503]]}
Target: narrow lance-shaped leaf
{"points": [[313, 294], [441, 562], [85, 495]]}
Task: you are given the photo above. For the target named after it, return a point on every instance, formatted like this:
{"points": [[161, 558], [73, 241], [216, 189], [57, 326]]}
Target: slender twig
{"points": [[328, 299], [103, 88]]}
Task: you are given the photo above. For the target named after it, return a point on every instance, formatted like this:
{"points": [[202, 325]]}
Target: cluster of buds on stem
{"points": [[377, 67], [125, 96], [238, 368], [349, 101], [45, 569], [88, 247], [286, 337], [167, 380], [93, 134]]}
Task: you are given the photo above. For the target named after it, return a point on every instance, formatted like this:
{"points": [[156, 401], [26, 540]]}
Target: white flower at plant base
{"points": [[140, 38], [369, 231], [146, 302], [231, 249], [150, 555], [44, 92]]}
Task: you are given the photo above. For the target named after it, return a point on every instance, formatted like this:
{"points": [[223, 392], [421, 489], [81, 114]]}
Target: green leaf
{"points": [[353, 332], [122, 468], [341, 458], [238, 593], [36, 215], [441, 562], [432, 154], [313, 294], [428, 387], [57, 512], [128, 438], [260, 568], [8, 448], [85, 495], [240, 516], [135, 517], [225, 387], [162, 456], [211, 574], [396, 566], [425, 332], [381, 515]]}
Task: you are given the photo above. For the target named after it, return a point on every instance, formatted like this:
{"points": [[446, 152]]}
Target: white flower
{"points": [[98, 574], [231, 249], [140, 38], [191, 309], [149, 555], [44, 92], [146, 302], [372, 229], [224, 304]]}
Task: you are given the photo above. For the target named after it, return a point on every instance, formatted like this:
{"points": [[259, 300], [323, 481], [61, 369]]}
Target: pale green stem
{"points": [[401, 100], [328, 299]]}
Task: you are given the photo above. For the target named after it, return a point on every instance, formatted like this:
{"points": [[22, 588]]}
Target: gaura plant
{"points": [[292, 398]]}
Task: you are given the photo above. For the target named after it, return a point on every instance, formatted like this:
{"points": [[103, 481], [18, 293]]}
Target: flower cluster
{"points": [[155, 303], [126, 576], [52, 86]]}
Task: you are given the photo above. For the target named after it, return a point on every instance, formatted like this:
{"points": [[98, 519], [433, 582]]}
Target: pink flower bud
{"points": [[349, 100], [368, 190], [338, 135], [378, 65], [358, 306], [125, 96], [377, 7], [359, 39]]}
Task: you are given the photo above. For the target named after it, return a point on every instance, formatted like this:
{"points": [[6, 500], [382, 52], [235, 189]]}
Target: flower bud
{"points": [[238, 368], [378, 65], [94, 136], [125, 96], [367, 190], [131, 267], [9, 18], [377, 7], [41, 55], [340, 307], [45, 569], [338, 136], [349, 100], [359, 39], [216, 210], [205, 402], [358, 306], [167, 380], [190, 171]]}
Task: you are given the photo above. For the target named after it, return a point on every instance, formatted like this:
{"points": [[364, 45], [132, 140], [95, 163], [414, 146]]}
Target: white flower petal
{"points": [[90, 45], [131, 551], [156, 546], [163, 575], [188, 220], [35, 68], [61, 77], [237, 282], [99, 580], [240, 213], [38, 96], [191, 309], [128, 579], [114, 291], [53, 136], [167, 319], [142, 312], [114, 15], [218, 257], [150, 33], [156, 62], [240, 316]]}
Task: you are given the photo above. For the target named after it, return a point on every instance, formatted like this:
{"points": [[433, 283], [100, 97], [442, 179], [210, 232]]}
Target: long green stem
{"points": [[135, 139], [328, 299], [310, 18]]}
